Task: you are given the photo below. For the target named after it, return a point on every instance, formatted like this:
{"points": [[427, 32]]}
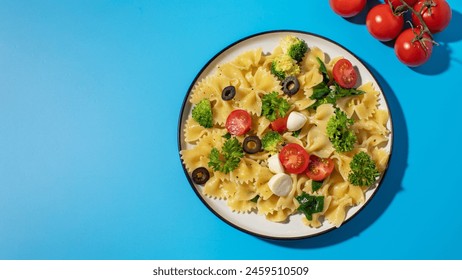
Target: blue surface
{"points": [[90, 94]]}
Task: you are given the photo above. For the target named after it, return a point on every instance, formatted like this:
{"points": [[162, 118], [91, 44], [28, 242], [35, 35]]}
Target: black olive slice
{"points": [[228, 93], [252, 144], [290, 85], [200, 175]]}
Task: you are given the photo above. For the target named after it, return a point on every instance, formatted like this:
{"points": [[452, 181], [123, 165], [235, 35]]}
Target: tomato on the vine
{"points": [[397, 3], [413, 47], [347, 8], [436, 14], [344, 73], [383, 24]]}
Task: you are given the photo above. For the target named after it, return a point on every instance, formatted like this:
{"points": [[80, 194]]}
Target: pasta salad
{"points": [[286, 132]]}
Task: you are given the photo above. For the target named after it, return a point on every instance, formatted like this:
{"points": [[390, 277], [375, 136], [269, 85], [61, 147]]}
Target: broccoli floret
{"points": [[363, 170], [283, 66], [271, 141], [202, 113], [294, 47], [277, 71]]}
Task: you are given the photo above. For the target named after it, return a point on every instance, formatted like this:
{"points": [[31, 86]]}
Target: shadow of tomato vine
{"points": [[442, 55]]}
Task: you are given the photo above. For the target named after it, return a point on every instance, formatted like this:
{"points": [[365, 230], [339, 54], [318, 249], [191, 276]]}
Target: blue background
{"points": [[90, 95]]}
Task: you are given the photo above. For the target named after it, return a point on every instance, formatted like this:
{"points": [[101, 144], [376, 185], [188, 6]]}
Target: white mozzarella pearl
{"points": [[275, 165], [296, 121], [280, 184]]}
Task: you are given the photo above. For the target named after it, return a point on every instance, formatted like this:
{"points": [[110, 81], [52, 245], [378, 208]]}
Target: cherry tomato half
{"points": [[347, 8], [319, 168], [238, 122], [280, 124], [436, 18], [383, 24], [413, 52], [294, 158], [344, 73]]}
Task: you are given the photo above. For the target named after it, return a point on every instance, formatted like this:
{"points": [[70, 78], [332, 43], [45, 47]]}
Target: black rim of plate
{"points": [[181, 121]]}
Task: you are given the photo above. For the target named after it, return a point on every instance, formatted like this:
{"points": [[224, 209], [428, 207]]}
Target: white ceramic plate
{"points": [[253, 223]]}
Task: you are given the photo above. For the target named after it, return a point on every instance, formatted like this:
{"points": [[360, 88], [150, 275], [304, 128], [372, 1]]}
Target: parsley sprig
{"points": [[273, 106], [228, 159], [339, 132], [363, 170]]}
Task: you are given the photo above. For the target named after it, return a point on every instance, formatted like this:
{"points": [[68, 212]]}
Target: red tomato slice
{"points": [[319, 168], [344, 73], [294, 158], [280, 125], [238, 122]]}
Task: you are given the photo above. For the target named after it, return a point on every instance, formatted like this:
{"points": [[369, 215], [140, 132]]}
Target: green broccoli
{"points": [[283, 65], [294, 47], [202, 113], [339, 132], [271, 141], [363, 170]]}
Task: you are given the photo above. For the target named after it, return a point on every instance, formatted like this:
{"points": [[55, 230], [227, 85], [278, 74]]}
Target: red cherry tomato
{"points": [[383, 24], [319, 168], [344, 73], [294, 158], [347, 8], [413, 52], [238, 122], [436, 18], [280, 124], [397, 3]]}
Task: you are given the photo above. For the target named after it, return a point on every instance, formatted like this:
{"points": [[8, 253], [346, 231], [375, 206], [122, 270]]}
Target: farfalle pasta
{"points": [[246, 188]]}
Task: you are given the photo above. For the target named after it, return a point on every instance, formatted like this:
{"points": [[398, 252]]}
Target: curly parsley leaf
{"points": [[229, 158], [363, 170], [310, 204], [273, 106], [339, 132]]}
